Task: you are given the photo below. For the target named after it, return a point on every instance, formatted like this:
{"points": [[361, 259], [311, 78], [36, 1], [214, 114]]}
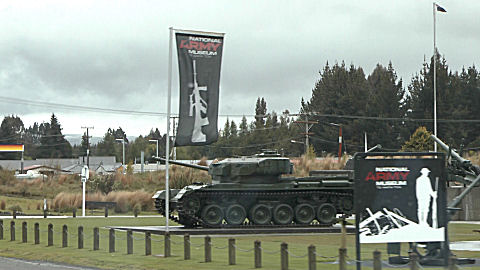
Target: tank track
{"points": [[194, 220]]}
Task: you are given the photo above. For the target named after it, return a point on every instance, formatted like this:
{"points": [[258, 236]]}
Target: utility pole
{"points": [[308, 126], [123, 153], [88, 146]]}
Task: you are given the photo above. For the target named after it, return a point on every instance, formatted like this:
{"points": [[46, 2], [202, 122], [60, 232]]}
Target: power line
{"points": [[149, 113]]}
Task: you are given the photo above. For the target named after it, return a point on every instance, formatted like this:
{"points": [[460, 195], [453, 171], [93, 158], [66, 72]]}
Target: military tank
{"points": [[251, 191]]}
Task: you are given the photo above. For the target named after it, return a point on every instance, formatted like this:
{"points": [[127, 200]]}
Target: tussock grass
{"points": [[126, 200], [305, 164]]}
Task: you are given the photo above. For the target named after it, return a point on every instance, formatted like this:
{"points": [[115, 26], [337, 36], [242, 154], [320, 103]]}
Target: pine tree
{"points": [[53, 143], [243, 126]]}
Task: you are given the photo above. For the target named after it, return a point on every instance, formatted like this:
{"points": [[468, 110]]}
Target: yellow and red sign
{"points": [[11, 147]]}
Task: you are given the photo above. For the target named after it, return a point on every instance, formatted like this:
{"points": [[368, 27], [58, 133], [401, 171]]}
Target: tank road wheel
{"points": [[212, 214], [347, 205], [326, 213], [283, 214], [191, 203], [235, 214], [304, 213], [260, 214]]}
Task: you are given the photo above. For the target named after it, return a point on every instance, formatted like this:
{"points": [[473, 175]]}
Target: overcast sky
{"points": [[113, 54]]}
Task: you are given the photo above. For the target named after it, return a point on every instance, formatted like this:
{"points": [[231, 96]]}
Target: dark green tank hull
{"points": [[289, 204]]}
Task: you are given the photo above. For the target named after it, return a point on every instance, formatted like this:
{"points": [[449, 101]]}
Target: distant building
{"points": [[64, 165]]}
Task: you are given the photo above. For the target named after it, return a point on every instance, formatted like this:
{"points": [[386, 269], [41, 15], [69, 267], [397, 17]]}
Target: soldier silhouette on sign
{"points": [[424, 191]]}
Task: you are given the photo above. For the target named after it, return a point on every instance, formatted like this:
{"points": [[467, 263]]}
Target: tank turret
{"points": [[262, 168]]}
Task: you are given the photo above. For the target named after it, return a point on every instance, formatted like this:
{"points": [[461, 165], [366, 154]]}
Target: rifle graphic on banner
{"points": [[198, 106]]}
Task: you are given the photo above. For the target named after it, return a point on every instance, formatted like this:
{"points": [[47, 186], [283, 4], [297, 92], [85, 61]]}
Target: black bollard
{"points": [[80, 237], [74, 212], [342, 258], [96, 239], [148, 244], [129, 242], [208, 249], [377, 260], [50, 235], [413, 260], [284, 256], [14, 214], [106, 211], [257, 250], [12, 231], [64, 236], [186, 247], [36, 228], [312, 258], [167, 245], [24, 232], [231, 252], [111, 242]]}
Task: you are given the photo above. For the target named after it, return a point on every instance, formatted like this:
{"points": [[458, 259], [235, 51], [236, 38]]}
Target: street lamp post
{"points": [[157, 149], [123, 153]]}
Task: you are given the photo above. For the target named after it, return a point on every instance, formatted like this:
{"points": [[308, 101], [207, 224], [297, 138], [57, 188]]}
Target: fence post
{"points": [[231, 252], [129, 242], [106, 211], [342, 258], [284, 256], [377, 260], [12, 230], [312, 258], [148, 243], [452, 263], [413, 260], [208, 249], [14, 214], [36, 228], [80, 237], [257, 250], [50, 235], [1, 229], [186, 247], [64, 236], [74, 212], [111, 241], [167, 244], [96, 239], [24, 232]]}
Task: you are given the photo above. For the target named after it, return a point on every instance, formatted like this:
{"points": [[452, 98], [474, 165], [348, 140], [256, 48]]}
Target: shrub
{"points": [[104, 184], [2, 205], [419, 141], [16, 208]]}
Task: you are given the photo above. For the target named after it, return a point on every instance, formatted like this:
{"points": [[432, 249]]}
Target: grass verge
{"points": [[326, 245]]}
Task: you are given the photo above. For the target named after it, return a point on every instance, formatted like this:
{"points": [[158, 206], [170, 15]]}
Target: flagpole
{"points": [[167, 144], [434, 76]]}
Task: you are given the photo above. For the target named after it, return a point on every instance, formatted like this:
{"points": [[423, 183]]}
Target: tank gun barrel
{"points": [[451, 151], [194, 166], [378, 146]]}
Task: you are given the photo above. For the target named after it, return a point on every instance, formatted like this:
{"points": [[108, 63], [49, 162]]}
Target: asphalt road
{"points": [[19, 264]]}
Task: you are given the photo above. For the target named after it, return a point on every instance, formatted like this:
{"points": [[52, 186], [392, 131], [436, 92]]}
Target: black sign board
{"points": [[400, 197]]}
